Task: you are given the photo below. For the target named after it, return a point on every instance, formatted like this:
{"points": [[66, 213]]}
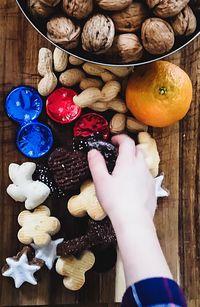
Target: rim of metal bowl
{"points": [[111, 64]]}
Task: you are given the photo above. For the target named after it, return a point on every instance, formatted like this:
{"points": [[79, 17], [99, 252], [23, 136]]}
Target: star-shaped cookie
{"points": [[21, 269], [47, 253], [160, 190]]}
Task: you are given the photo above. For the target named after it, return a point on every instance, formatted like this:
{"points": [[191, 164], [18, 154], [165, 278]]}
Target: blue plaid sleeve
{"points": [[154, 292]]}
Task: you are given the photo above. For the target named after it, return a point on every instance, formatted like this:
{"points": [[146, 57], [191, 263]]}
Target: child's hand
{"points": [[129, 193], [129, 198]]}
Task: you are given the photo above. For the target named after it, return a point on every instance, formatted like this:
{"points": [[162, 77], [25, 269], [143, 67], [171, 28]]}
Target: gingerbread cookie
{"points": [[107, 149], [73, 269], [86, 203], [69, 168], [37, 226], [22, 267], [149, 148], [24, 188], [99, 234]]}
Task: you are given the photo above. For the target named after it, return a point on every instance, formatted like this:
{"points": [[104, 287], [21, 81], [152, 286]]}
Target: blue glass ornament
{"points": [[23, 105]]}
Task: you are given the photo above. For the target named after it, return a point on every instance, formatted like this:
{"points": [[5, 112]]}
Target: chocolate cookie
{"points": [[69, 168], [98, 234], [43, 174], [105, 258], [101, 233], [107, 149], [22, 267]]}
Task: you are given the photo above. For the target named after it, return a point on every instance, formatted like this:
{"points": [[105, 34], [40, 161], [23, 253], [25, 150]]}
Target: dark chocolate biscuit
{"points": [[43, 174], [101, 233], [107, 149], [98, 234], [105, 258], [69, 168]]}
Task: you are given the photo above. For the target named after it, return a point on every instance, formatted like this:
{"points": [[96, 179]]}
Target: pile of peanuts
{"points": [[100, 86]]}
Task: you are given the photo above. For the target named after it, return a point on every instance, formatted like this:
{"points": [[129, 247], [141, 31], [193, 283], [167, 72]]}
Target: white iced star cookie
{"points": [[21, 269], [160, 190], [47, 253]]}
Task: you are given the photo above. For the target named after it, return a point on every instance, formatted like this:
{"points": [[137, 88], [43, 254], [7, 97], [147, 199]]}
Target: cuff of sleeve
{"points": [[154, 292]]}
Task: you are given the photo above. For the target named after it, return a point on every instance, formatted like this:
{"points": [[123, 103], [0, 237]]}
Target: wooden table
{"points": [[178, 217]]}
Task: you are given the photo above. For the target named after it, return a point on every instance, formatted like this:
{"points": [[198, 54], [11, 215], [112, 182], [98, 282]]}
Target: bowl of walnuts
{"points": [[116, 32]]}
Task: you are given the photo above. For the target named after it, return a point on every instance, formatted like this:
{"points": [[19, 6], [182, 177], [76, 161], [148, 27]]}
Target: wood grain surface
{"points": [[178, 217]]}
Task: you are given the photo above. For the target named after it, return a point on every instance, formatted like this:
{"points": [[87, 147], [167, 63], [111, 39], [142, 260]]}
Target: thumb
{"points": [[97, 166]]}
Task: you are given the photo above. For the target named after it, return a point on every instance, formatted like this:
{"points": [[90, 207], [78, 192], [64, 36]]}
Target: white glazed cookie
{"points": [[161, 191], [24, 188], [47, 253], [21, 268]]}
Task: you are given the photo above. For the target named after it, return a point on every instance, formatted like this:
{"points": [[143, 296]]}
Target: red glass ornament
{"points": [[60, 106], [90, 123]]}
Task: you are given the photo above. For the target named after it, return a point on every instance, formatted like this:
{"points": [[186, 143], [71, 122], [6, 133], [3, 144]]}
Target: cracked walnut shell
{"points": [[113, 5], [167, 8], [157, 36], [63, 31], [126, 48], [130, 19], [39, 9], [78, 9], [184, 23], [98, 34]]}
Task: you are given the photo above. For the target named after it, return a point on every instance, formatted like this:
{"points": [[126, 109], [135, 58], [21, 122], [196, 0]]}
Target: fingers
{"points": [[124, 142], [139, 153], [97, 166], [140, 156], [126, 148]]}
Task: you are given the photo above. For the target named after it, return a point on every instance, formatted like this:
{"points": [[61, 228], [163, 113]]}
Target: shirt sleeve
{"points": [[158, 292]]}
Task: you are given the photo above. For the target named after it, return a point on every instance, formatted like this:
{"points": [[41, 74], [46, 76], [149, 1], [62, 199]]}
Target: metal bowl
{"points": [[40, 26]]}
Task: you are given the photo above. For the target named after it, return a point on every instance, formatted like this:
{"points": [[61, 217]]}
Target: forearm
{"points": [[140, 249]]}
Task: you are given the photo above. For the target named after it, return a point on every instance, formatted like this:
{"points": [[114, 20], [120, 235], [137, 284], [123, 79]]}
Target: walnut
{"points": [[131, 18], [157, 36], [63, 31], [185, 22], [126, 48], [50, 2], [39, 9], [98, 34], [113, 5], [78, 8], [167, 8]]}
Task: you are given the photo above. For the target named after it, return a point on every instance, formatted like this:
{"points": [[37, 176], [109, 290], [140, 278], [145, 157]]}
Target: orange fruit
{"points": [[159, 94]]}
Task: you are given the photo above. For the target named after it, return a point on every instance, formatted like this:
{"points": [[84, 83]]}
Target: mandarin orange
{"points": [[159, 94]]}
